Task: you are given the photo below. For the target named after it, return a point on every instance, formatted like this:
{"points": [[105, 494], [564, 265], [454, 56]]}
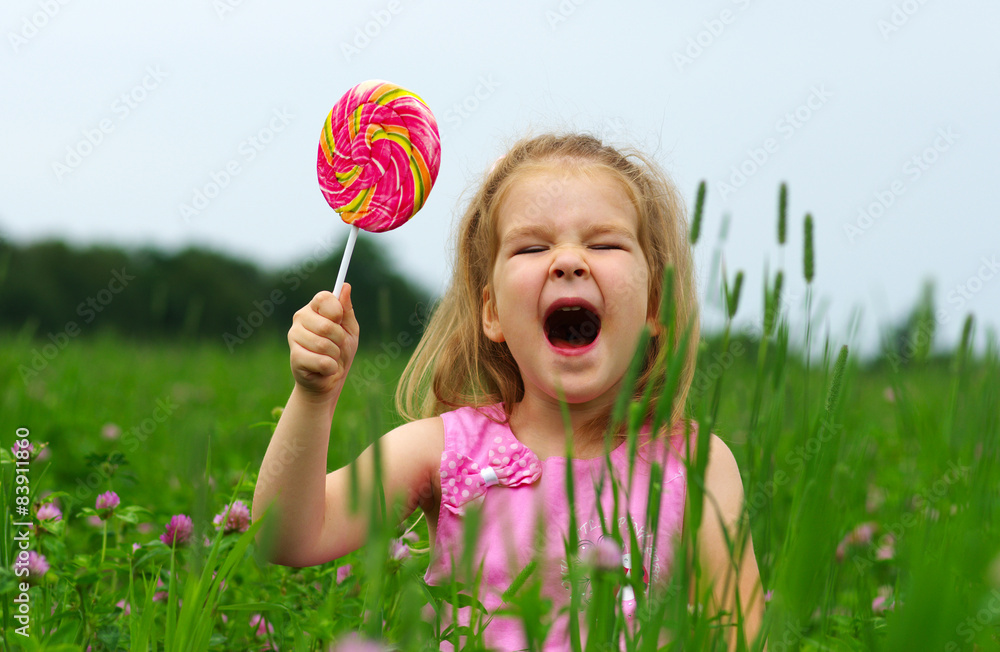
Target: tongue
{"points": [[573, 342]]}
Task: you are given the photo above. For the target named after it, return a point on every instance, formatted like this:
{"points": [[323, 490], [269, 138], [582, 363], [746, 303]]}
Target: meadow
{"points": [[871, 493]]}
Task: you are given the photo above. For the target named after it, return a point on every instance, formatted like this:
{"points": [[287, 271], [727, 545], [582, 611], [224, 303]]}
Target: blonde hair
{"points": [[456, 365]]}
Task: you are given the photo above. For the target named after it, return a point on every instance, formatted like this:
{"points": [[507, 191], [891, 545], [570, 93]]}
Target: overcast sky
{"points": [[880, 115]]}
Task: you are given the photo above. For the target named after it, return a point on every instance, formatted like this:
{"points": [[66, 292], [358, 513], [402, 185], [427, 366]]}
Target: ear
{"points": [[491, 320]]}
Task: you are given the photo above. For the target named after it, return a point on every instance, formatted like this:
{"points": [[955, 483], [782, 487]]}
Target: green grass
{"points": [[888, 463], [872, 494], [194, 420]]}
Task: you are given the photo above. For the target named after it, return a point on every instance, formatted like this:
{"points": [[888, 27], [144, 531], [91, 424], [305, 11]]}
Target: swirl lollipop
{"points": [[379, 155]]}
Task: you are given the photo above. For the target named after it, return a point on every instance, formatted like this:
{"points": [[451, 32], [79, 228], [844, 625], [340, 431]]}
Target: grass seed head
{"points": [[809, 263], [782, 213], [838, 377], [699, 208], [734, 298]]}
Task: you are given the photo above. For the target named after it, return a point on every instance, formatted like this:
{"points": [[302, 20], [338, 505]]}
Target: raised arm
{"points": [[723, 508], [312, 523]]}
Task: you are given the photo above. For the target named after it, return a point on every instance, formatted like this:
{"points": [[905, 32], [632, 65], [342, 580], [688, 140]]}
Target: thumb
{"points": [[350, 321]]}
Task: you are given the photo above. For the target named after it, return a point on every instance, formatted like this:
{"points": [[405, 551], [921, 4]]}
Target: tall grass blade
{"points": [[699, 209], [782, 213]]}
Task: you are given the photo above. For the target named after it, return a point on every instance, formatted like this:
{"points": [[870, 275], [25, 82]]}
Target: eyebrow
{"points": [[536, 230]]}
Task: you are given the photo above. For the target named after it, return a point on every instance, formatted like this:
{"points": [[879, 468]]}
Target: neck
{"points": [[538, 423]]}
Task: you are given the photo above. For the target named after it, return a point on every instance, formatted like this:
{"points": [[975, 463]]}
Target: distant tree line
{"points": [[51, 291]]}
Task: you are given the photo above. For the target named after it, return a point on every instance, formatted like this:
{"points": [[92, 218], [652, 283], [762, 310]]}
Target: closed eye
{"points": [[530, 250], [605, 247]]}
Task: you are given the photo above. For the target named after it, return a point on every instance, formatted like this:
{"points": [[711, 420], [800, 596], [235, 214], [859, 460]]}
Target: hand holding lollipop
{"points": [[379, 154]]}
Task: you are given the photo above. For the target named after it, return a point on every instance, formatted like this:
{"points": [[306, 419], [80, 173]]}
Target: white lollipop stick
{"points": [[345, 261]]}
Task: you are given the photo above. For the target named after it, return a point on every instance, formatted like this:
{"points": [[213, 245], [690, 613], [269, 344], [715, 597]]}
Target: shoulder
{"points": [[462, 430], [722, 471], [723, 482], [684, 440], [428, 427], [420, 441], [425, 430]]}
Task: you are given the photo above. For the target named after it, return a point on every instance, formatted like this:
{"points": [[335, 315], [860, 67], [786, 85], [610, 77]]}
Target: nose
{"points": [[569, 262]]}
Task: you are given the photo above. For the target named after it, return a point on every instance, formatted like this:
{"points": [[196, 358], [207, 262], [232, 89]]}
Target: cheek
{"points": [[514, 285], [632, 289], [631, 283]]}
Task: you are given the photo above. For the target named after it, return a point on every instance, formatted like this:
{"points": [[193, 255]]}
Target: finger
{"points": [[350, 320], [328, 305], [323, 327], [305, 360], [315, 343]]}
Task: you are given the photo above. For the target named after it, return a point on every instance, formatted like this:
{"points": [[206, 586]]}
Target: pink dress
{"points": [[485, 467]]}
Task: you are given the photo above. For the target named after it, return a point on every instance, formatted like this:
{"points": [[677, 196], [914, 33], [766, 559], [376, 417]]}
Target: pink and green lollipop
{"points": [[379, 154]]}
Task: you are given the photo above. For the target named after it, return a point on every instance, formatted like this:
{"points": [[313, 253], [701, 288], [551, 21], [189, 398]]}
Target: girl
{"points": [[559, 261]]}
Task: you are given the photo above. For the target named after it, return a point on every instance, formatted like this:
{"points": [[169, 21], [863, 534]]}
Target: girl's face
{"points": [[569, 288]]}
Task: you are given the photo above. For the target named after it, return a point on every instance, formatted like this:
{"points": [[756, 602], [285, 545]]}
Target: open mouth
{"points": [[572, 327]]}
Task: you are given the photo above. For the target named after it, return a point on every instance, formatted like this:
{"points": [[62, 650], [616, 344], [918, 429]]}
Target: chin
{"points": [[578, 395]]}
